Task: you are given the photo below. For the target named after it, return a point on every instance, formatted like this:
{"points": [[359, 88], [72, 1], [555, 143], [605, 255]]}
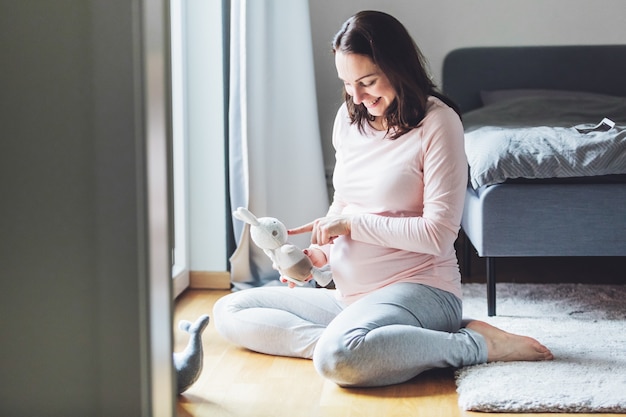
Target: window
{"points": [[198, 148]]}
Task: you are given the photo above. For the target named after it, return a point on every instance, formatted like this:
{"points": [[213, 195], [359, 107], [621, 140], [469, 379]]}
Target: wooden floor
{"points": [[237, 382]]}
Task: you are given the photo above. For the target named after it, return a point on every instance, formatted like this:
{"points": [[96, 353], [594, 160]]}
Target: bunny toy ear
{"points": [[245, 215]]}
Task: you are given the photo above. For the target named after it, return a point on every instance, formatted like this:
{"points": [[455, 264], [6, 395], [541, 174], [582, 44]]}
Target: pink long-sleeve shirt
{"points": [[406, 198]]}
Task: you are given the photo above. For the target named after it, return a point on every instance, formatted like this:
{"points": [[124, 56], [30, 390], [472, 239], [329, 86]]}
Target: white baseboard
{"points": [[209, 280], [180, 283]]}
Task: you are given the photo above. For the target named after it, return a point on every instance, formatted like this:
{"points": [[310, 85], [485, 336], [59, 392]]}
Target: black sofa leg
{"points": [[467, 256], [491, 286]]}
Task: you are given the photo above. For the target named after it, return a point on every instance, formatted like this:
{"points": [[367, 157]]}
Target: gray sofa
{"points": [[584, 216]]}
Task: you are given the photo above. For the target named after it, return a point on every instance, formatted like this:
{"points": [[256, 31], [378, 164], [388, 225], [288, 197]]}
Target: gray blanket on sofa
{"points": [[536, 137]]}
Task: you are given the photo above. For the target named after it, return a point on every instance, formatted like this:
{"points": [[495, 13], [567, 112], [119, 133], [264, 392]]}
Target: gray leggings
{"points": [[385, 338]]}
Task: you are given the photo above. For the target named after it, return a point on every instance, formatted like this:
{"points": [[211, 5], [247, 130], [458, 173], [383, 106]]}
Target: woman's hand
{"points": [[318, 259], [293, 284], [325, 229]]}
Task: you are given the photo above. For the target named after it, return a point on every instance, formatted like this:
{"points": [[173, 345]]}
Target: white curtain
{"points": [[275, 152]]}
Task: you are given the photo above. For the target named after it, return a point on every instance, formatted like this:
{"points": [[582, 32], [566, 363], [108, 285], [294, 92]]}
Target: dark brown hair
{"points": [[389, 45]]}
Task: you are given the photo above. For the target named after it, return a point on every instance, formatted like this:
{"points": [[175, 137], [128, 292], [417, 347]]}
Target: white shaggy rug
{"points": [[583, 325]]}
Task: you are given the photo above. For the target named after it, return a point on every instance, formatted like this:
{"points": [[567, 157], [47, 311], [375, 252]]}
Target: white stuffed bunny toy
{"points": [[271, 235]]}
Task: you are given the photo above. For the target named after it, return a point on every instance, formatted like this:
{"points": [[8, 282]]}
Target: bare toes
{"points": [[504, 346]]}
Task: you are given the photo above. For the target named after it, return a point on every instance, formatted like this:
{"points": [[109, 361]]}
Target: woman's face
{"points": [[365, 82]]}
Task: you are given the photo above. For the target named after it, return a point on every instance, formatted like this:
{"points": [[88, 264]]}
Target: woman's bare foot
{"points": [[506, 347]]}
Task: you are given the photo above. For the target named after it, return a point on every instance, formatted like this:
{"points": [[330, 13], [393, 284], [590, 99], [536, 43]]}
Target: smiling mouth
{"points": [[372, 103]]}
